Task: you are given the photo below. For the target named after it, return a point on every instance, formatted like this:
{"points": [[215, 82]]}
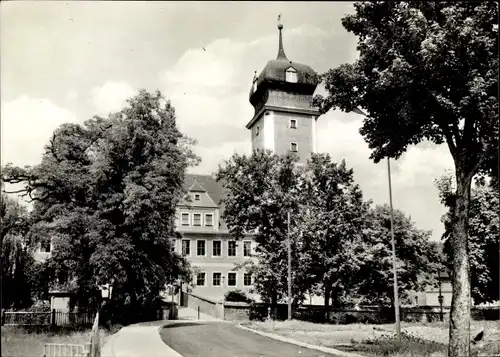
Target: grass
{"points": [[422, 340], [19, 342]]}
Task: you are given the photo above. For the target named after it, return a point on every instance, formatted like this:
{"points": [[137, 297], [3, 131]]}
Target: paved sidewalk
{"points": [[143, 340], [140, 340]]}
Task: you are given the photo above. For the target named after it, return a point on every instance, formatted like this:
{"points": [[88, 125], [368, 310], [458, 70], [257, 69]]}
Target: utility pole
{"points": [[289, 270], [396, 298]]}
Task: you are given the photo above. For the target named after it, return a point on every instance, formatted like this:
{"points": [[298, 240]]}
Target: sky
{"points": [[67, 61]]}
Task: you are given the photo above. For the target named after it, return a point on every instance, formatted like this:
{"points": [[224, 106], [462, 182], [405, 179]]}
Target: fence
{"points": [[90, 349], [52, 319], [374, 314]]}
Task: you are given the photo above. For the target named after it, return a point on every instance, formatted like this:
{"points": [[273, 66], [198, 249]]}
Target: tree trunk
{"points": [[459, 345], [327, 303]]}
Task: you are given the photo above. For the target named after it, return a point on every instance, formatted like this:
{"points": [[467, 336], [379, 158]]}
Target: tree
{"points": [[17, 260], [428, 71], [417, 259], [483, 238], [331, 224], [106, 194], [260, 191]]}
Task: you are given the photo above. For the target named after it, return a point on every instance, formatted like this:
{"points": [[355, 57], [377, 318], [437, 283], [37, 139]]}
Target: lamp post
{"points": [[106, 291], [396, 298], [289, 247]]}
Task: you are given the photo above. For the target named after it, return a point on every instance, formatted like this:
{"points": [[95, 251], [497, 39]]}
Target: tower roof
{"points": [[275, 71]]}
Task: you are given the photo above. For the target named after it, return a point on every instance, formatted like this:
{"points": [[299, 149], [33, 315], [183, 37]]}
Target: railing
{"points": [[90, 349], [53, 318], [65, 350]]}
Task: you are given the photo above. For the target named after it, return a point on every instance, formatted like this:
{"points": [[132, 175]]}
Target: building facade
{"points": [[205, 240], [283, 121]]}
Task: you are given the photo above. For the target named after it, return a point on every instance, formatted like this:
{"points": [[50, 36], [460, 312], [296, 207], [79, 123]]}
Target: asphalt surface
{"points": [[217, 339]]}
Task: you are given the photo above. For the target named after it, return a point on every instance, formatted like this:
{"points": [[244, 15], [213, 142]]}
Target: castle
{"points": [[283, 121]]}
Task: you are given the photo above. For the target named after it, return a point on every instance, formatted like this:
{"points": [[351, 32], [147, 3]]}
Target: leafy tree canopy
{"points": [[483, 236], [106, 193]]}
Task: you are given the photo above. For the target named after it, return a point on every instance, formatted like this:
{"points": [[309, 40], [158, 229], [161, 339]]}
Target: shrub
{"points": [[237, 296]]}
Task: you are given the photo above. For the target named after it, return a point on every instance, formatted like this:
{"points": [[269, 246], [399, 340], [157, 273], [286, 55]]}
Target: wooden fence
{"points": [[90, 349], [52, 319]]}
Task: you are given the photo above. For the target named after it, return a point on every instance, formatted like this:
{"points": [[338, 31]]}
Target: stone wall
{"points": [[206, 306]]}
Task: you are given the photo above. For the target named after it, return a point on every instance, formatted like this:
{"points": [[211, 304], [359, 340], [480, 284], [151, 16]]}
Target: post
{"points": [[396, 298], [289, 270], [53, 318], [198, 312], [440, 298]]}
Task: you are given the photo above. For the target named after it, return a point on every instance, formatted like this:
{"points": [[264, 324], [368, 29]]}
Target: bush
{"points": [[237, 296]]}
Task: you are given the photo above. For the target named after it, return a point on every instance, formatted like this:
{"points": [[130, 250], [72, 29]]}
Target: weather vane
{"points": [[280, 26]]}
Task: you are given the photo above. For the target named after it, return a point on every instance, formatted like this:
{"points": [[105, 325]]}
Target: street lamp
{"points": [[396, 298], [396, 293], [289, 248]]}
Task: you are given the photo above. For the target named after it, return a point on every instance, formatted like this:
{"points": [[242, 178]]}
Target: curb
{"points": [[332, 351], [172, 352]]}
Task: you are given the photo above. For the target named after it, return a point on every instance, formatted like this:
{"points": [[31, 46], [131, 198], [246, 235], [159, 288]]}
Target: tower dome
{"points": [[283, 74], [284, 119]]}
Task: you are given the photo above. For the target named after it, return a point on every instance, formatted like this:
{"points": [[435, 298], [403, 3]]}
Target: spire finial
{"points": [[281, 51]]}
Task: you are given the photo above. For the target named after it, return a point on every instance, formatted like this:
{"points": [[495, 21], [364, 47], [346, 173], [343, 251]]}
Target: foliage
{"points": [[236, 296], [106, 193], [260, 191], [428, 71], [17, 260], [483, 236], [417, 259], [331, 225]]}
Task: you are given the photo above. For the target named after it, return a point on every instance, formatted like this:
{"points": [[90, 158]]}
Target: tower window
{"points": [[293, 123], [291, 75], [294, 147], [257, 131], [197, 197]]}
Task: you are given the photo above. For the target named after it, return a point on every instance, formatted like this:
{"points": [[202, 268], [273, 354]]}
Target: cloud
{"points": [[412, 175], [72, 95], [209, 88], [111, 96], [27, 125], [218, 154]]}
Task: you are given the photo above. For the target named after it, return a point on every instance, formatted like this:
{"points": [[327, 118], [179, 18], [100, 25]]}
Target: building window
{"points": [[197, 197], [247, 249], [185, 219], [231, 279], [293, 123], [45, 247], [197, 219], [217, 248], [200, 248], [257, 131], [200, 279], [247, 279], [209, 219], [186, 247], [216, 279], [231, 248], [294, 147], [291, 75]]}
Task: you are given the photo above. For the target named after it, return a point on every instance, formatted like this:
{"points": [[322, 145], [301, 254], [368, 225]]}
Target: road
{"points": [[218, 339]]}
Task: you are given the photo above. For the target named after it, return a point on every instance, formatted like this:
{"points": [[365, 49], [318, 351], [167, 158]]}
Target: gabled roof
{"points": [[196, 187], [213, 189]]}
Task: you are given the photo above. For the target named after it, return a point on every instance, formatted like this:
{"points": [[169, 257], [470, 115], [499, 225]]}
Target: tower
{"points": [[281, 95]]}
